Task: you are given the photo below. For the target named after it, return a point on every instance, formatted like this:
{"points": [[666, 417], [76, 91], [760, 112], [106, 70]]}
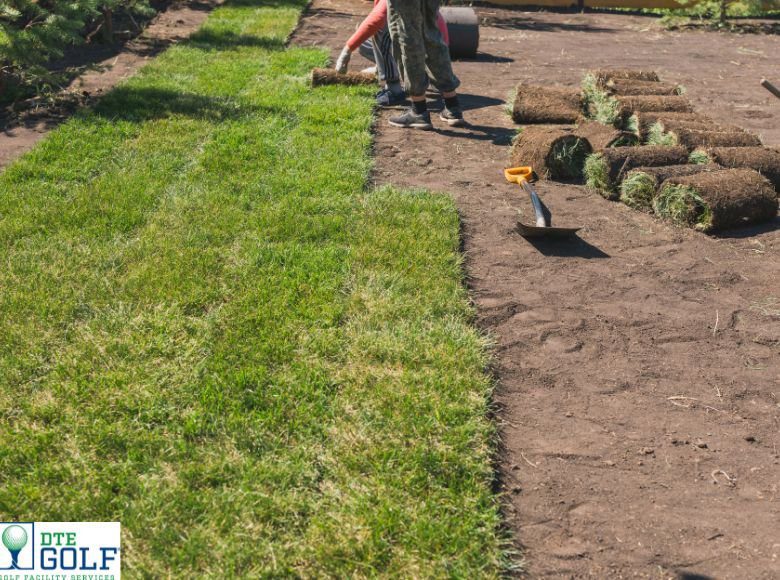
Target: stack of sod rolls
{"points": [[605, 170], [640, 186], [762, 159], [711, 201], [554, 151]]}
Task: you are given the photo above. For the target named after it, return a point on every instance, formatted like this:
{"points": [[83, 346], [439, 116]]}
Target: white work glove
{"points": [[343, 62]]}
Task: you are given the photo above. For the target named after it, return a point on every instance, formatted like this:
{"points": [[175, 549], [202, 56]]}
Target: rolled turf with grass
{"points": [[328, 76], [654, 103], [601, 136], [662, 132], [553, 151], [646, 119], [605, 170], [603, 76], [640, 185], [633, 87], [763, 159], [598, 104], [718, 200], [536, 104], [692, 139]]}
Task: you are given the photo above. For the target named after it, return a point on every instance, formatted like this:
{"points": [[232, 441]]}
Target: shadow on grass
{"points": [[148, 103], [227, 39]]}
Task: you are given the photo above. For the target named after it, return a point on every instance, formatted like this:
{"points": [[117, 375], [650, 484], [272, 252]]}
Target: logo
{"points": [[65, 550], [19, 546]]}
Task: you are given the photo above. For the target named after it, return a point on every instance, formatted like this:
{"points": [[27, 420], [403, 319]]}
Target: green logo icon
{"points": [[14, 538]]}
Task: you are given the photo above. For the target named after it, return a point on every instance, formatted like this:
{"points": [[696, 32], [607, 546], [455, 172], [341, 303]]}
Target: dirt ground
{"points": [[106, 67], [638, 369]]}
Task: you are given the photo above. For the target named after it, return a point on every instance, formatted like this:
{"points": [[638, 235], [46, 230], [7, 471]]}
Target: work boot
{"points": [[388, 98], [409, 119], [453, 116]]}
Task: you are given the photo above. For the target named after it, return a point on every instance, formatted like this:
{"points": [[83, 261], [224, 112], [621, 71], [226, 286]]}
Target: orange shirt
{"points": [[377, 19]]}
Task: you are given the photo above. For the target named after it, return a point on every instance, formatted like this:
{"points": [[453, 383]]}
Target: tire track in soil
{"points": [[639, 376]]}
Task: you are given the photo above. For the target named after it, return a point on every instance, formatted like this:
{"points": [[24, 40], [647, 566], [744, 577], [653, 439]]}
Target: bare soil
{"points": [[638, 367], [107, 67]]}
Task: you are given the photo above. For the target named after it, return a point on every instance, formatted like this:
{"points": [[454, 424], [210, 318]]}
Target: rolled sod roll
{"points": [[640, 185], [546, 105], [603, 76], [553, 151], [327, 76], [662, 132], [463, 29], [692, 139], [762, 159], [645, 120], [602, 136], [605, 170], [655, 103], [631, 87], [717, 200]]}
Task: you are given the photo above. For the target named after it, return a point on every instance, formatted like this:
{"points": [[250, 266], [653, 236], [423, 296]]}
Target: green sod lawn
{"points": [[213, 332]]}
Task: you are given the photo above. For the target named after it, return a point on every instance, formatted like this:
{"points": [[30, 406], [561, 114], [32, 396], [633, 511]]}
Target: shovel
{"points": [[521, 175]]}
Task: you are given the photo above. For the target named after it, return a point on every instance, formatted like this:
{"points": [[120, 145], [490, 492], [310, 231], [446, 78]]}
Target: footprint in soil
{"points": [[559, 344]]}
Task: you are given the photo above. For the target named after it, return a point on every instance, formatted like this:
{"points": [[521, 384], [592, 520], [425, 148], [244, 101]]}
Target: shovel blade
{"points": [[545, 232]]}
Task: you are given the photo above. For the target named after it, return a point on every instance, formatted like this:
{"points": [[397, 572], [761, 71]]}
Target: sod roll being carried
{"points": [[601, 136], [605, 170], [328, 76], [536, 104], [553, 151], [603, 76], [717, 200], [632, 87], [763, 159], [640, 185], [692, 139]]}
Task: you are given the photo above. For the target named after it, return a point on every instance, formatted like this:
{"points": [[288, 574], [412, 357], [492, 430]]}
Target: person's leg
{"points": [[405, 20], [437, 60], [385, 62], [367, 51]]}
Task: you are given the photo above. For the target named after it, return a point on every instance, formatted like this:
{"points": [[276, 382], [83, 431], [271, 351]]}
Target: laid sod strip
{"points": [[640, 185], [764, 160], [692, 139], [326, 76], [598, 104], [646, 120], [601, 136], [605, 170], [719, 200], [603, 76], [632, 87], [214, 334], [553, 151], [546, 104]]}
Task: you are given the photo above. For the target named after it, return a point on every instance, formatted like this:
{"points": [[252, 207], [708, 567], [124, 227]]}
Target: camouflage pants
{"points": [[419, 47]]}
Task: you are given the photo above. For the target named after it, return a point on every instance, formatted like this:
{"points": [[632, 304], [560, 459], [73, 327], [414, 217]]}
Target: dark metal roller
{"points": [[463, 26]]}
